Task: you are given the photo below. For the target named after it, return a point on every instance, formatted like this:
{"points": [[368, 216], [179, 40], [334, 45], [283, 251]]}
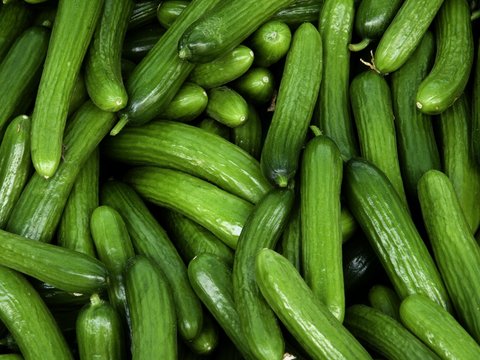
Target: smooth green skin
{"points": [[151, 240], [29, 320], [456, 251], [214, 127], [294, 106], [475, 131], [290, 244], [99, 331], [11, 357], [69, 40], [449, 75], [391, 232], [320, 187], [169, 11], [438, 329], [79, 94], [24, 59], [384, 299], [404, 33], [373, 17], [56, 297], [143, 13], [207, 341], [299, 12], [319, 333], [384, 334], [137, 44], [39, 209], [190, 101], [270, 42], [152, 311], [227, 106], [257, 85], [14, 19], [103, 73], [349, 225], [249, 135]]}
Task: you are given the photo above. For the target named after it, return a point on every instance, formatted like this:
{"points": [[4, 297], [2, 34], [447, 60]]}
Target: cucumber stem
{"points": [[316, 130], [119, 125], [184, 53], [95, 299], [281, 181], [359, 46]]}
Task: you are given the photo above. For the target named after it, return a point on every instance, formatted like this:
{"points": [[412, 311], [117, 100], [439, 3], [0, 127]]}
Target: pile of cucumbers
{"points": [[239, 179]]}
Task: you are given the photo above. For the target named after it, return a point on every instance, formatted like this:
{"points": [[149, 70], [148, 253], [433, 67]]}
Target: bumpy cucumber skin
{"points": [[476, 107], [299, 12]]}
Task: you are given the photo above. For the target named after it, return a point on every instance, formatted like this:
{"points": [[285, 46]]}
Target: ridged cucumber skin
{"points": [[294, 107], [373, 112], [153, 328], [320, 187], [137, 44], [103, 73], [456, 251], [290, 244], [193, 150], [69, 40], [39, 208], [387, 336], [207, 341], [24, 59], [449, 76], [404, 33], [270, 42], [373, 17], [190, 101], [143, 13], [15, 164], [14, 19], [384, 299], [333, 105], [438, 329], [249, 136], [318, 332], [458, 161], [169, 11], [79, 94], [257, 85], [391, 232], [29, 320], [161, 73], [476, 107], [151, 240], [227, 106], [99, 331], [299, 12], [262, 229], [417, 149], [74, 227]]}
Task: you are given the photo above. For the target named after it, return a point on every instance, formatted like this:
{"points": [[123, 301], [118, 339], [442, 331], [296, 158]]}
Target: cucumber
{"points": [[456, 251], [29, 320], [437, 328], [227, 106], [453, 61], [45, 16], [262, 229], [322, 168], [249, 135], [391, 232], [71, 35], [300, 85], [319, 333], [257, 85], [214, 127], [300, 11], [225, 27], [168, 11], [151, 307], [56, 298], [290, 244], [136, 45], [79, 94], [39, 208], [11, 357], [349, 225], [404, 33], [475, 131], [144, 12], [190, 101], [385, 335], [384, 299], [270, 42], [14, 19], [103, 74], [206, 342]]}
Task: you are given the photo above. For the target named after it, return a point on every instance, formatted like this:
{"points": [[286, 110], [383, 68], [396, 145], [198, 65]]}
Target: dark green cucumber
{"points": [[160, 74], [103, 73], [151, 307], [257, 85], [45, 16], [322, 168], [333, 110], [193, 150], [290, 245], [24, 59], [14, 19], [39, 208], [79, 94], [144, 12], [190, 101], [15, 165], [438, 329], [384, 299], [300, 85], [207, 341], [74, 228], [373, 111], [318, 332], [28, 319], [169, 11], [349, 225], [99, 331], [149, 239], [270, 42], [385, 335], [385, 220], [127, 67], [262, 229], [453, 61], [137, 44], [223, 69], [71, 35], [404, 33], [225, 27], [249, 135], [475, 131], [456, 251], [299, 12], [227, 106], [56, 298], [214, 127]]}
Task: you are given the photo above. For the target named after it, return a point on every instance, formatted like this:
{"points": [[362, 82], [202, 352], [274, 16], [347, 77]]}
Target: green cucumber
{"points": [[214, 127], [206, 342], [262, 229], [453, 61], [249, 135], [318, 332], [225, 27], [55, 297], [79, 94], [168, 11], [190, 101], [475, 131], [136, 45], [270, 42], [322, 168], [71, 35], [227, 106], [384, 299], [385, 335], [290, 245], [39, 208], [103, 73], [257, 85], [99, 331], [300, 85], [127, 67], [438, 329], [385, 220], [299, 12], [151, 307], [144, 12], [14, 19], [45, 16], [349, 225], [11, 357]]}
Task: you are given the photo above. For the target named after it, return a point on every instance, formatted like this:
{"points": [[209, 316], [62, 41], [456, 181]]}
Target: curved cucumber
{"points": [[168, 11], [227, 106], [385, 300], [270, 42], [190, 101]]}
